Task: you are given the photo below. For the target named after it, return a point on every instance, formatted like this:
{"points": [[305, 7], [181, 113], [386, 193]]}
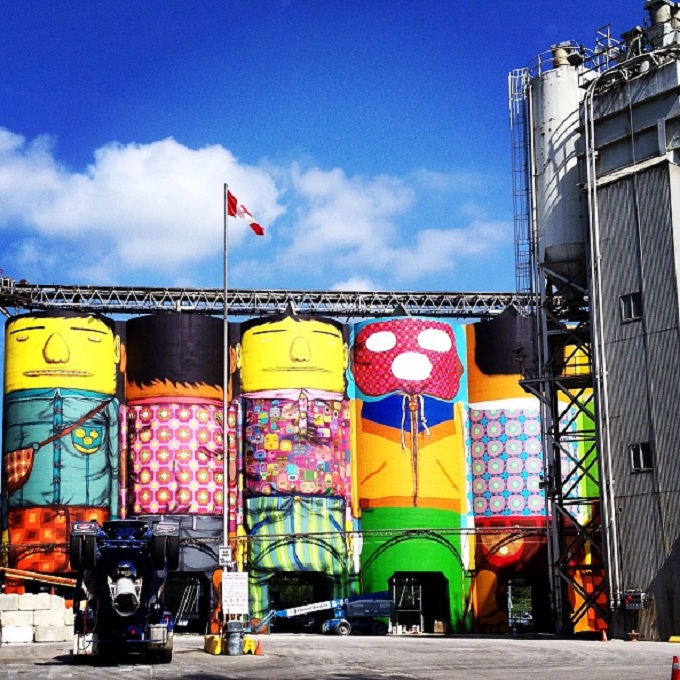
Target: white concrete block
{"points": [[9, 601], [34, 601], [48, 617], [19, 617], [53, 633], [12, 634], [57, 602], [43, 601], [68, 616]]}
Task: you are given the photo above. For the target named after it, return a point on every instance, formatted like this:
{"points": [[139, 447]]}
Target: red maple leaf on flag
{"points": [[237, 209]]}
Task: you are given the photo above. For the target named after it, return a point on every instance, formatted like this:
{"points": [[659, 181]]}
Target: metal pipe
{"points": [[35, 576], [225, 381], [599, 357]]}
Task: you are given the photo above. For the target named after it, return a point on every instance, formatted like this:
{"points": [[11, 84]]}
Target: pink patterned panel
{"points": [[175, 454]]}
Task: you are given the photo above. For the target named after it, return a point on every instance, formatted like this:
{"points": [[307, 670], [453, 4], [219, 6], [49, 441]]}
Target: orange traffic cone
{"points": [[258, 649], [604, 635], [675, 672]]}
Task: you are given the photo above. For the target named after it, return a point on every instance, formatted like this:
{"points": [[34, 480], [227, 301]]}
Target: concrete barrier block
{"points": [[57, 602], [53, 633], [43, 601], [9, 601], [18, 617], [12, 634], [48, 617], [35, 601], [68, 616]]}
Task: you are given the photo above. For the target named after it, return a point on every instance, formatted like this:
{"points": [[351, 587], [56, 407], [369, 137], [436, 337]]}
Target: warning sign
{"points": [[235, 592], [225, 555]]}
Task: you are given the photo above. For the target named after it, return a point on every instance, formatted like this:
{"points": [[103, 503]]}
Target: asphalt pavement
{"points": [[393, 657]]}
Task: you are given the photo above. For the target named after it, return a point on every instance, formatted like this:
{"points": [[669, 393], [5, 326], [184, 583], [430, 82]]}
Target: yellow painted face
{"points": [[293, 354], [73, 352]]}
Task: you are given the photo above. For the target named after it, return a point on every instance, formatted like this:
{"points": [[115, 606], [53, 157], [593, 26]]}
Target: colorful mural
{"points": [[405, 451], [174, 463], [60, 436], [507, 467], [411, 455], [296, 442]]}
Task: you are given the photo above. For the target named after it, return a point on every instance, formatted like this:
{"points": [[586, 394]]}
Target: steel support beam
{"points": [[18, 297]]}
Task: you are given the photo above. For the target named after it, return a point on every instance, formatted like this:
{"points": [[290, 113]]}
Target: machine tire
{"points": [[172, 548], [89, 551], [158, 549], [162, 656], [380, 628], [343, 628], [75, 552]]}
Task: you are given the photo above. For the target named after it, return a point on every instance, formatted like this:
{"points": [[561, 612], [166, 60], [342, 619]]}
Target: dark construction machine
{"points": [[122, 568]]}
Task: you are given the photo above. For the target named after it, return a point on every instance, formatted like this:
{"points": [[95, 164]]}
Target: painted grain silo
{"points": [[174, 435], [60, 435], [410, 407], [296, 444], [507, 469]]}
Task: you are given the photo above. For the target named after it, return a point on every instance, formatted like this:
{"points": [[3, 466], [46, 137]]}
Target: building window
{"points": [[641, 457], [631, 307]]}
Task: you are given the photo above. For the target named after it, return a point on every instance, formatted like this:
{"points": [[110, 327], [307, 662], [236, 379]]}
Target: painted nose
{"points": [[56, 350], [299, 350]]}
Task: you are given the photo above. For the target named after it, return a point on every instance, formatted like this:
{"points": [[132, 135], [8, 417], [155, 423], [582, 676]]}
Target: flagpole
{"points": [[225, 381]]}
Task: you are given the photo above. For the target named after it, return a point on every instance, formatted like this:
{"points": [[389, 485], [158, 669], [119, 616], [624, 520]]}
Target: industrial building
{"points": [[560, 471], [595, 148]]}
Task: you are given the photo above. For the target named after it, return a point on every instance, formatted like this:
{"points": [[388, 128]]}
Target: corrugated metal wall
{"points": [[643, 361]]}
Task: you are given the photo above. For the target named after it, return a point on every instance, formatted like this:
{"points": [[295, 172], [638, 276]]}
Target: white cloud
{"points": [[439, 250], [346, 213], [155, 211], [370, 226], [156, 205], [356, 283], [27, 172]]}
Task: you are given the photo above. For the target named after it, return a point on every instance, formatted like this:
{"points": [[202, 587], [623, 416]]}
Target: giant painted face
{"points": [[71, 352], [290, 353], [411, 356]]}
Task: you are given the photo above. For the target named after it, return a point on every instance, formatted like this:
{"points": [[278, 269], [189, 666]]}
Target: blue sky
{"points": [[369, 137]]}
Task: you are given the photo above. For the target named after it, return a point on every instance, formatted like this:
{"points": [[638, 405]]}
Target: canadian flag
{"points": [[237, 209]]}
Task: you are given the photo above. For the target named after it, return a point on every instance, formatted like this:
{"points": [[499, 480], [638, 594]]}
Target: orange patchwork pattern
{"points": [[39, 536], [18, 465]]}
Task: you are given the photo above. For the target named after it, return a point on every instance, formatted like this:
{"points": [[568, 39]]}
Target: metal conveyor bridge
{"points": [[17, 297]]}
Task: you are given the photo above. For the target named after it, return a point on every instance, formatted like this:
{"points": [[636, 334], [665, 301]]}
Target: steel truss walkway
{"points": [[18, 297]]}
